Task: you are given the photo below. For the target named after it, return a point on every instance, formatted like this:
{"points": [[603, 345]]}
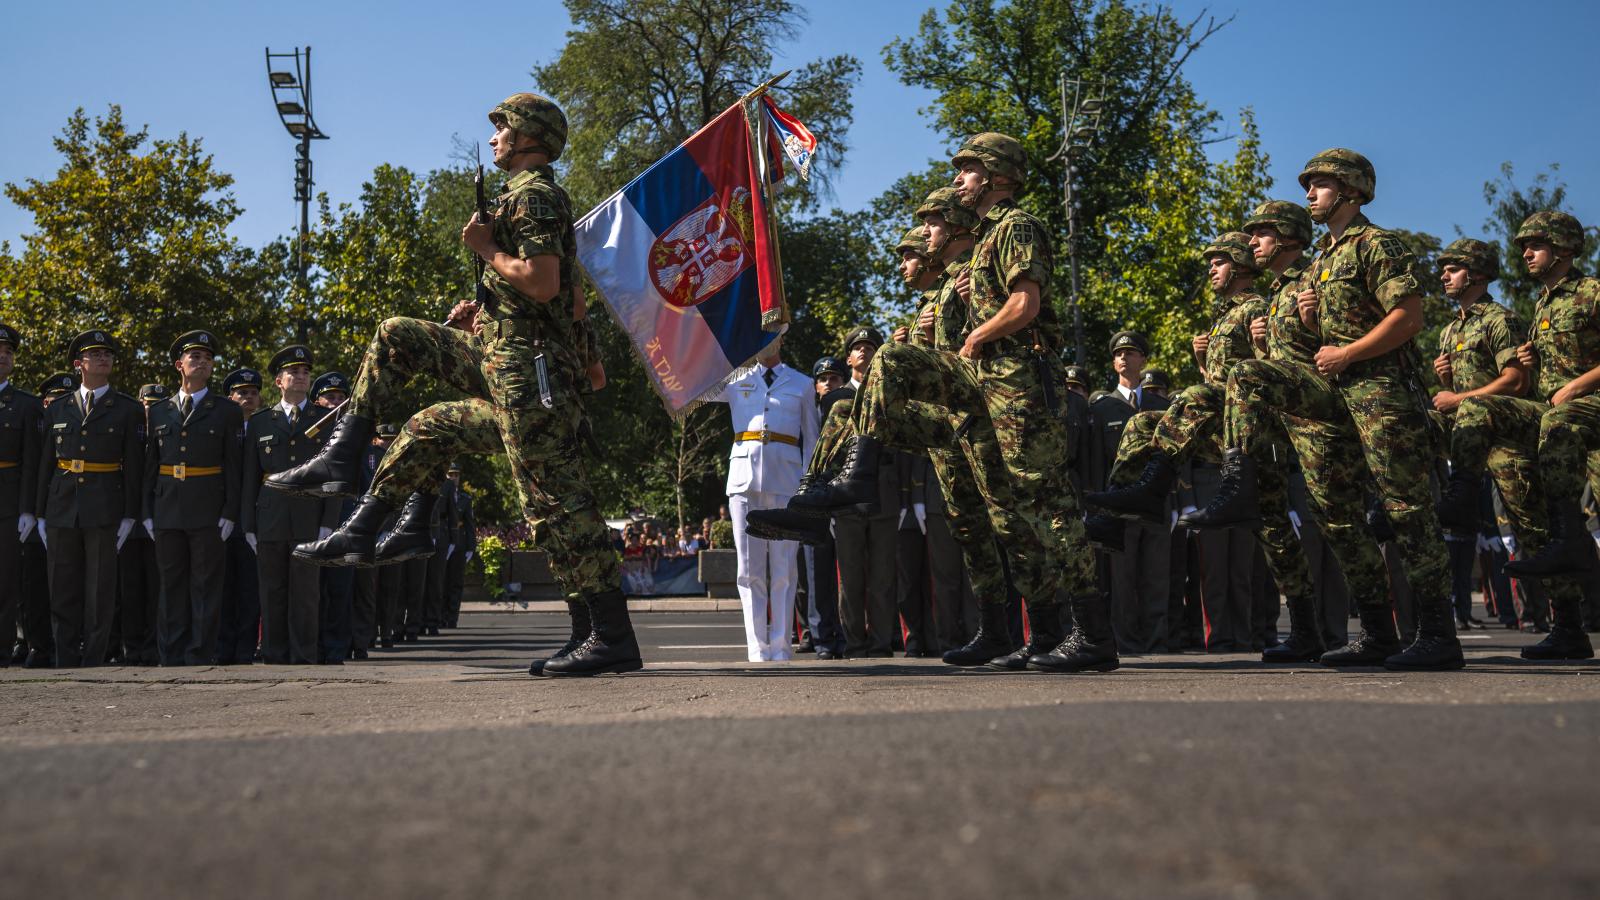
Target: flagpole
{"points": [[765, 86]]}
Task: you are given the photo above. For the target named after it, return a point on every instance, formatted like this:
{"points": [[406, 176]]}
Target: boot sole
{"points": [[1107, 666], [616, 668], [404, 557], [1570, 657], [1290, 660], [321, 489], [353, 560], [1450, 666]]}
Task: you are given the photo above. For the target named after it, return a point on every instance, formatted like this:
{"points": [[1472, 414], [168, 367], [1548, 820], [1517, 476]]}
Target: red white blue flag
{"points": [[797, 141], [686, 257]]}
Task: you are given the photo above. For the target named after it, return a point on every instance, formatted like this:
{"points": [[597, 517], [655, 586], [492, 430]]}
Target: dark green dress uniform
{"points": [[88, 491], [139, 576], [433, 610], [290, 588], [35, 564], [241, 586], [192, 480], [20, 437]]}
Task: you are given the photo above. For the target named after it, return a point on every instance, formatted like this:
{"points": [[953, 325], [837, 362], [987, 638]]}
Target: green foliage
{"points": [[721, 536], [492, 556], [131, 236], [1147, 185]]}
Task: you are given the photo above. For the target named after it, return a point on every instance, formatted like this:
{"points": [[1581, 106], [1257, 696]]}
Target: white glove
{"points": [[226, 527], [44, 541], [921, 511], [124, 528], [323, 532], [1294, 521], [250, 538], [150, 528], [1173, 525], [449, 550], [468, 557], [1510, 543], [25, 523]]}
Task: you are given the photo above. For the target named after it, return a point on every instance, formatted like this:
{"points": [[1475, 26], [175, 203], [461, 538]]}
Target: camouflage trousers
{"points": [[1193, 425], [1015, 448], [1506, 436], [502, 413], [1365, 426], [964, 503]]}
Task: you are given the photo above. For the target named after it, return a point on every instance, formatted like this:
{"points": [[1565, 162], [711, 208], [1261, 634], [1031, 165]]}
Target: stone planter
{"points": [[719, 572], [527, 577]]}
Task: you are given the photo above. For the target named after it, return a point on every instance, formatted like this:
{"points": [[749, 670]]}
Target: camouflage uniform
{"points": [[496, 370]]}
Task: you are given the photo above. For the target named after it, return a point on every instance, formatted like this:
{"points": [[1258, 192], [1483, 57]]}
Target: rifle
{"points": [[484, 299]]}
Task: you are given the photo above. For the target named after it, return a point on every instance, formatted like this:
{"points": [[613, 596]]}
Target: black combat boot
{"points": [[1045, 633], [582, 628], [1237, 503], [412, 537], [1566, 639], [1090, 647], [809, 494], [787, 525], [1305, 635], [1378, 640], [611, 647], [1106, 532], [1144, 499], [993, 638], [336, 469], [355, 543], [1436, 648], [1459, 504], [855, 485], [1570, 550]]}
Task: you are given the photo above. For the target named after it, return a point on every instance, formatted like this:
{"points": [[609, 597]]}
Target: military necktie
{"points": [[769, 377], [294, 415], [185, 405]]}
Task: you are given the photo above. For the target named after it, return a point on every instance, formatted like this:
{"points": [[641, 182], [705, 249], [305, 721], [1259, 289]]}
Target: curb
{"points": [[642, 604]]}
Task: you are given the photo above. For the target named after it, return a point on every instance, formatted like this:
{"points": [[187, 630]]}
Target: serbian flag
{"points": [[797, 141], [686, 257]]}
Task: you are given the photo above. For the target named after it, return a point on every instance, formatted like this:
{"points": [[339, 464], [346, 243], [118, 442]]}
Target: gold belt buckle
{"points": [[180, 471], [76, 467], [764, 438]]}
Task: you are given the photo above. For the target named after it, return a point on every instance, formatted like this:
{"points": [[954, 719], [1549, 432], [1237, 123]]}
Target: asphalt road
{"points": [[440, 769]]}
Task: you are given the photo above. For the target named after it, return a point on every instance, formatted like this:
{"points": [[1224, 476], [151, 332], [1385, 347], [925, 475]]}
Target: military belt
{"points": [[768, 437], [181, 471], [9, 465], [497, 329], [78, 466]]}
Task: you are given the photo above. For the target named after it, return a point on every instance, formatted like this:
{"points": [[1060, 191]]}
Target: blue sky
{"points": [[1437, 100]]}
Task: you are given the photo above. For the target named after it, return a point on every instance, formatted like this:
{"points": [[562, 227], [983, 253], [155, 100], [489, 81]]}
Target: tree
{"points": [[995, 65], [131, 237]]}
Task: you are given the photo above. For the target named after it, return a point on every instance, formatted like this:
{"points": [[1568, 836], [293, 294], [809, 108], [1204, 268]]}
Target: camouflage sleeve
{"points": [[1503, 334], [1446, 338], [1391, 271], [536, 222], [1024, 253], [586, 341], [918, 339]]}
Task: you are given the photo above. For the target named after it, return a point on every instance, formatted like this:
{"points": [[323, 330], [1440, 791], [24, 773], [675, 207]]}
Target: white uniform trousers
{"points": [[766, 580]]}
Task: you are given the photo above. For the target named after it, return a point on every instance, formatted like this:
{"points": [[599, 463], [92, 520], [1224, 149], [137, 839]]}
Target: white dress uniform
{"points": [[774, 429]]}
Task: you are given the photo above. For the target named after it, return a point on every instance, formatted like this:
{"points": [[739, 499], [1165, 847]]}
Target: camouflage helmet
{"points": [[947, 203], [1560, 230], [1235, 245], [1478, 256], [1290, 219], [915, 241], [536, 117], [1348, 166], [1001, 154]]}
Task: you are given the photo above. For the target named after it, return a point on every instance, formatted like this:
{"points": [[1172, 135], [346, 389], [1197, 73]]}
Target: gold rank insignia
{"points": [[1544, 324], [1325, 275], [1273, 310], [1461, 345]]}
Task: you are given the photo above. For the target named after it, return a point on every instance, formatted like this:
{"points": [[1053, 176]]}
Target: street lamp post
{"points": [[1080, 117], [289, 77]]}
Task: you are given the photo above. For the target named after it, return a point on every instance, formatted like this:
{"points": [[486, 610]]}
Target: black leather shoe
{"points": [[358, 653], [855, 485], [1436, 648], [336, 469], [787, 525], [1378, 641], [610, 648], [992, 640], [386, 643], [1091, 647], [1237, 503], [582, 628], [1144, 499], [433, 631], [37, 660], [825, 653], [1045, 633], [354, 544], [412, 537]]}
